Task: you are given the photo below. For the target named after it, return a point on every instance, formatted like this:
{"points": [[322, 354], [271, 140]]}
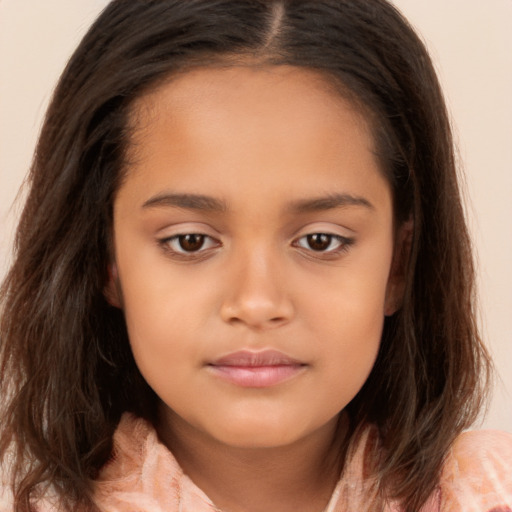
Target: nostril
{"points": [[257, 323], [254, 317], [259, 301]]}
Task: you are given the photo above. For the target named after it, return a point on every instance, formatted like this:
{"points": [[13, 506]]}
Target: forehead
{"points": [[268, 128], [200, 94]]}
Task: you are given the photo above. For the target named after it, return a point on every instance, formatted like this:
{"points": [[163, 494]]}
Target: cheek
{"points": [[350, 347], [163, 321], [352, 299], [348, 318], [351, 341], [156, 310], [158, 294]]}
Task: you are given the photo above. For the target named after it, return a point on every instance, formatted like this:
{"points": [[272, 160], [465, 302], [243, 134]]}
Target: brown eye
{"points": [[319, 241], [324, 243], [192, 242], [189, 243]]}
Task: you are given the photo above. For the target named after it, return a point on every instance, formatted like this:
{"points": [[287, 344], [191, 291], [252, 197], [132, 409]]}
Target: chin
{"points": [[259, 432]]}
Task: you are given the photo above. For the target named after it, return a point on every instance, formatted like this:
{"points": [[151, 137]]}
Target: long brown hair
{"points": [[66, 370]]}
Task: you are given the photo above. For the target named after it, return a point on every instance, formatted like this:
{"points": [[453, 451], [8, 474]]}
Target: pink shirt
{"points": [[143, 476]]}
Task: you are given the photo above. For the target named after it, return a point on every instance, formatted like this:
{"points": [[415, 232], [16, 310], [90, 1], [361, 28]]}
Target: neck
{"points": [[299, 476]]}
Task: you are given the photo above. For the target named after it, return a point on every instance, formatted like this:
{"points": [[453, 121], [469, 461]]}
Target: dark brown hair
{"points": [[66, 369]]}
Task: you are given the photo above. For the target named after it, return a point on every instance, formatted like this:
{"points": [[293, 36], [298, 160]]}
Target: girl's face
{"points": [[253, 252]]}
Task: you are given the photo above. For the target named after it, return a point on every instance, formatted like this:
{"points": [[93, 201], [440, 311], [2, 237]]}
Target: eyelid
{"points": [[343, 234], [171, 234], [333, 237], [212, 242], [328, 226], [343, 243]]}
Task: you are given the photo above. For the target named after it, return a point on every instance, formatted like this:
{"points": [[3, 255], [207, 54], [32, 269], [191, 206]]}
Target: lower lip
{"points": [[256, 376]]}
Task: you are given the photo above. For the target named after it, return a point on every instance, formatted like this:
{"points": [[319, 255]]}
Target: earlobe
{"points": [[398, 272], [112, 290]]}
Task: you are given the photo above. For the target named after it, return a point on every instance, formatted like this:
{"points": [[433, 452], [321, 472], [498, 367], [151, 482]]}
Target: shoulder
{"points": [[477, 474], [143, 475]]}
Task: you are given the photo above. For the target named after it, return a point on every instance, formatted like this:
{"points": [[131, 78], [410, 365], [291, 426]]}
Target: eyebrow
{"points": [[211, 204], [188, 201], [329, 202]]}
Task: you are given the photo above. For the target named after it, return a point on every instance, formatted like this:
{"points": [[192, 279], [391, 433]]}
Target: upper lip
{"points": [[247, 358]]}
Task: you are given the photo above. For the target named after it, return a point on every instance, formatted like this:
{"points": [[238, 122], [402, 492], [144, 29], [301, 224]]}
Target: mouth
{"points": [[256, 369]]}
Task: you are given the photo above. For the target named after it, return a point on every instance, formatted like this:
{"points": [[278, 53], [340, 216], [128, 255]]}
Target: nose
{"points": [[256, 293]]}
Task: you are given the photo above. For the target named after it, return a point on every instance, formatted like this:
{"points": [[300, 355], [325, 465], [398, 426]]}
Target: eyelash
{"points": [[181, 238], [343, 244]]}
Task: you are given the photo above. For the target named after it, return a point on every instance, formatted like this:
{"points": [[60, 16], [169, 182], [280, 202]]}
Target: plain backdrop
{"points": [[471, 44]]}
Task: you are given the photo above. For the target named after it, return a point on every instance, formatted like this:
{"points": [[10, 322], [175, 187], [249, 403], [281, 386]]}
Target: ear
{"points": [[397, 275], [112, 290]]}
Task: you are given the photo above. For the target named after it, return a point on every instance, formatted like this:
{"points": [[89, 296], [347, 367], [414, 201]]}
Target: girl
{"points": [[243, 279]]}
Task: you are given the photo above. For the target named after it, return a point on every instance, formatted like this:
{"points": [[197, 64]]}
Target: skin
{"points": [[264, 143]]}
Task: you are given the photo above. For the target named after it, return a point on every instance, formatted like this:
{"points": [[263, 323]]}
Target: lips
{"points": [[256, 369]]}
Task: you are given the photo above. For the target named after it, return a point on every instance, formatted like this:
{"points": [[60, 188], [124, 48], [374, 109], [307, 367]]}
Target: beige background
{"points": [[471, 42]]}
